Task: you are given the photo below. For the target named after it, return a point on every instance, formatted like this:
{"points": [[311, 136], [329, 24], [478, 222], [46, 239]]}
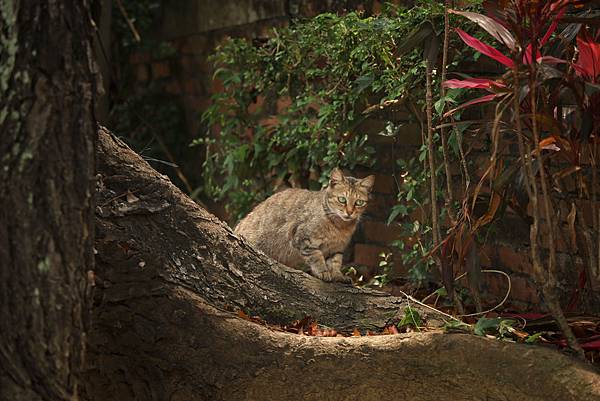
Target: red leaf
{"points": [[499, 32], [588, 64], [472, 83], [550, 60], [527, 56], [483, 99], [553, 26], [484, 48]]}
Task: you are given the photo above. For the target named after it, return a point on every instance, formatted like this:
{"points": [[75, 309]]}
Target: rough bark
{"points": [[47, 133], [168, 271], [140, 214]]}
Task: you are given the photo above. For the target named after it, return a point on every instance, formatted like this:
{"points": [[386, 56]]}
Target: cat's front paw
{"points": [[325, 276], [341, 278], [331, 276]]}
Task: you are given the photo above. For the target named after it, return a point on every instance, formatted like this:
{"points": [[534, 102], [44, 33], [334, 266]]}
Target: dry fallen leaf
{"points": [[131, 198]]}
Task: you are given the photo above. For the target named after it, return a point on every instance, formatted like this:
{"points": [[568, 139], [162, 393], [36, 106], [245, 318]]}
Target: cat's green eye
{"points": [[360, 203], [341, 199]]}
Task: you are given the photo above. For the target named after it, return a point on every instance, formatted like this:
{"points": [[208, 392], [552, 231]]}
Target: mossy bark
{"points": [[47, 133]]}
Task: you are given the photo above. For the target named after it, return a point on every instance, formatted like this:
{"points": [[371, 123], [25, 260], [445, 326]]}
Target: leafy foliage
{"points": [[411, 318], [546, 104], [151, 121], [291, 109]]}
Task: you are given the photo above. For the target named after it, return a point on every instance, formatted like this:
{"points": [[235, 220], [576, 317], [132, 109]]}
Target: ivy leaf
{"points": [[363, 82], [396, 211], [497, 325], [532, 339], [411, 318]]}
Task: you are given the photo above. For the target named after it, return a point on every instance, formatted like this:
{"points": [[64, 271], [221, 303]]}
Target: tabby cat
{"points": [[312, 228]]}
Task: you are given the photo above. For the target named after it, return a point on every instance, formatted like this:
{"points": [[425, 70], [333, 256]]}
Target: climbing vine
{"points": [[291, 107]]}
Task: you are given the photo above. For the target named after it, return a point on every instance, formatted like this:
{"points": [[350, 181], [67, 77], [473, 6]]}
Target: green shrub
{"points": [[329, 69]]}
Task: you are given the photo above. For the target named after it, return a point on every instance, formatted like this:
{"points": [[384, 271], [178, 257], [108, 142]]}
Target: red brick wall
{"points": [[188, 75]]}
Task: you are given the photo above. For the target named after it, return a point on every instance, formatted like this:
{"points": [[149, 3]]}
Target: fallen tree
{"points": [[168, 274]]}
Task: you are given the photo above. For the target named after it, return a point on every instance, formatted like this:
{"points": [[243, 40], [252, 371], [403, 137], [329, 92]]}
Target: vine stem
{"points": [[509, 289], [431, 156], [450, 198]]}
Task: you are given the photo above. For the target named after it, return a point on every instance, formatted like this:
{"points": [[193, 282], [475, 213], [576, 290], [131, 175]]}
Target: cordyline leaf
{"points": [[588, 64], [527, 56], [495, 202], [566, 172], [550, 60], [498, 31], [553, 25], [480, 83], [484, 48], [483, 99]]}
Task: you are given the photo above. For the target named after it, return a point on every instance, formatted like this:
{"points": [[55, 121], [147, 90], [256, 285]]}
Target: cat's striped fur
{"points": [[300, 227]]}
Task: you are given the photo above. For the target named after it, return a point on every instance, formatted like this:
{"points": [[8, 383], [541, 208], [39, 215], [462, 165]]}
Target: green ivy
{"points": [[329, 69], [326, 72]]}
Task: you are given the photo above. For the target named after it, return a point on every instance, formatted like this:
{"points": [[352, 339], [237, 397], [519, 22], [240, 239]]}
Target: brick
{"points": [[269, 122], [368, 255], [187, 63], [160, 70], [283, 103], [377, 231], [487, 254], [372, 127], [191, 86], [380, 205], [586, 207], [376, 9], [257, 105], [384, 184], [141, 73], [386, 156], [173, 87], [514, 260], [139, 58], [523, 289], [559, 237], [495, 285], [197, 44], [410, 134]]}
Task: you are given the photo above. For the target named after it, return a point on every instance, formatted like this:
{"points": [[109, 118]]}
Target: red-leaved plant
{"points": [[548, 103]]}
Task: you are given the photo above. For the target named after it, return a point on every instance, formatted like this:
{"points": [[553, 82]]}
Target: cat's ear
{"points": [[336, 177], [367, 183]]}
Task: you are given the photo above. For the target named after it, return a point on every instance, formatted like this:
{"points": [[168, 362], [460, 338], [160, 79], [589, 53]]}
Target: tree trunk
{"points": [[47, 135], [168, 273]]}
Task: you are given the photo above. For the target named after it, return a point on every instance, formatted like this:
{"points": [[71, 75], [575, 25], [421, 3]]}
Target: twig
{"points": [[431, 154], [134, 31], [450, 198], [501, 302], [408, 297], [489, 310]]}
